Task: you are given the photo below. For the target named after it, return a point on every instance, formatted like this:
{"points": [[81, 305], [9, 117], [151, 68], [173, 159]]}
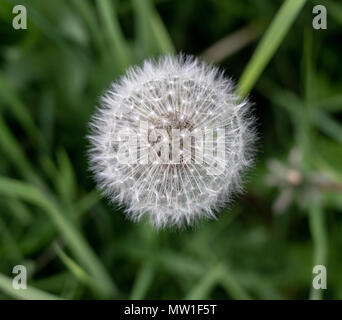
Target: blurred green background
{"points": [[77, 246]]}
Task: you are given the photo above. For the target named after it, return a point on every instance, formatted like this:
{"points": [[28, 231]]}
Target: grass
{"points": [[77, 246], [269, 44]]}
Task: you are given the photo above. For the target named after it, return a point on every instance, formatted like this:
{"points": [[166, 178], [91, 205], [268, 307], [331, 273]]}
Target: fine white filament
{"points": [[174, 94]]}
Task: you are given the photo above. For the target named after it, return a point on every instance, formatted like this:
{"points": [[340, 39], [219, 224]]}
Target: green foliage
{"points": [[76, 245]]}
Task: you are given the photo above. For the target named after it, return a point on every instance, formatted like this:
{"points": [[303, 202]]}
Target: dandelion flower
{"points": [[171, 140]]}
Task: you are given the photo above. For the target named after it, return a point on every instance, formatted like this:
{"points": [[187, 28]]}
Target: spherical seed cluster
{"points": [[170, 140]]}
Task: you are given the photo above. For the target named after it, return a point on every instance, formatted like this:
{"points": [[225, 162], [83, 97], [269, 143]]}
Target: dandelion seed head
{"points": [[175, 96]]}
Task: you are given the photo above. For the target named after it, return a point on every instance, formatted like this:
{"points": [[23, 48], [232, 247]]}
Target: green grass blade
{"points": [[321, 119], [152, 36], [78, 245], [202, 289], [331, 104], [328, 125], [10, 98], [20, 211], [12, 150], [79, 273], [28, 294], [143, 281], [11, 250], [66, 179], [320, 242], [315, 211], [85, 203], [218, 275], [87, 13], [269, 44], [115, 38], [162, 37], [232, 286]]}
